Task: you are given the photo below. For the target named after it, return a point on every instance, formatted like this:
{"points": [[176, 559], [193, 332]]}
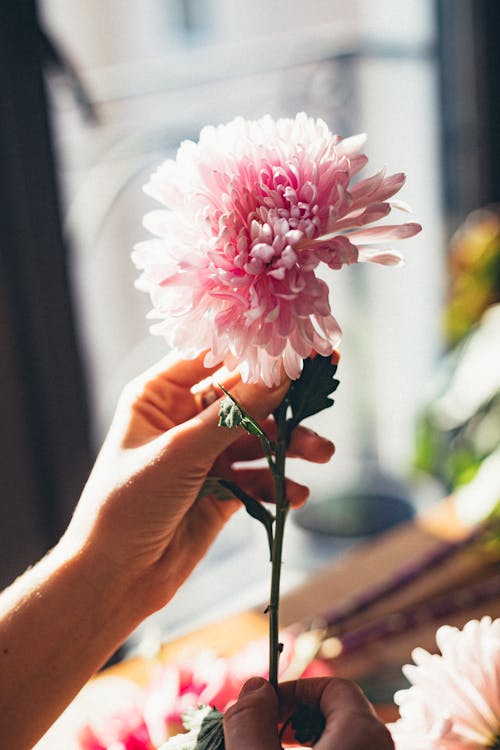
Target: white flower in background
{"points": [[193, 719], [454, 701]]}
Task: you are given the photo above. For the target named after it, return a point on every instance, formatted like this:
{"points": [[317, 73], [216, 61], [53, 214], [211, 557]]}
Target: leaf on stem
{"points": [[307, 722], [253, 508], [310, 393], [212, 486], [204, 731], [211, 736], [232, 414]]}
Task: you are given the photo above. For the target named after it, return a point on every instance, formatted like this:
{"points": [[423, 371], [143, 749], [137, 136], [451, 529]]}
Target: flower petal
{"points": [[383, 233], [254, 208]]}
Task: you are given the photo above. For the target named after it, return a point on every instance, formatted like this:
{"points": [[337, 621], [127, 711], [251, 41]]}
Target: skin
{"points": [[138, 531], [351, 723]]}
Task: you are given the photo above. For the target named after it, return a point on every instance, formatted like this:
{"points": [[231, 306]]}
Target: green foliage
{"points": [[310, 394], [455, 455], [490, 544], [211, 735], [253, 508], [461, 466], [474, 273], [232, 414], [307, 396], [308, 724], [212, 486], [427, 446], [224, 489]]}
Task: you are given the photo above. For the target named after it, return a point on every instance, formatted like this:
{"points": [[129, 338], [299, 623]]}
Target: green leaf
{"points": [[310, 393], [232, 414], [211, 735], [254, 509], [308, 723], [212, 486]]}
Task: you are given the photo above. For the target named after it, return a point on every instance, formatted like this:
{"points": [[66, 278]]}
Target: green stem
{"points": [[282, 506]]}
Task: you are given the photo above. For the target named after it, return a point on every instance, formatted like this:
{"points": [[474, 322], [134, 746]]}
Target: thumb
{"points": [[252, 722], [207, 440]]}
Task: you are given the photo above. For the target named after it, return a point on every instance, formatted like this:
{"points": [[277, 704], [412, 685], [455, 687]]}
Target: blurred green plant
{"points": [[454, 455], [459, 430], [474, 272]]}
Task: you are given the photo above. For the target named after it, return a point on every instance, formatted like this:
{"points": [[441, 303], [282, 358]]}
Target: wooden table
{"points": [[377, 666], [336, 584]]}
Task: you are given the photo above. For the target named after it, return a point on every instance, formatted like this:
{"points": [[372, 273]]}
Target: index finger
{"points": [[182, 372], [351, 722]]}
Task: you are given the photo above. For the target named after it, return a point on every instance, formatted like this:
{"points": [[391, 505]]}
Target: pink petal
{"points": [[377, 188], [360, 217], [384, 257], [254, 208], [387, 232], [401, 206], [351, 145], [292, 362], [357, 163]]}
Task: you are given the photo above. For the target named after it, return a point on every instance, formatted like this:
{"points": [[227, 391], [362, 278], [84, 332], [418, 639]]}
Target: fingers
{"points": [[158, 399], [182, 372], [305, 443], [206, 440], [251, 723], [351, 722], [188, 374], [163, 396]]}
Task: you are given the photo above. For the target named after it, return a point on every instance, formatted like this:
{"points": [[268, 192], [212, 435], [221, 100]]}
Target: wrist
{"points": [[105, 588], [59, 623]]}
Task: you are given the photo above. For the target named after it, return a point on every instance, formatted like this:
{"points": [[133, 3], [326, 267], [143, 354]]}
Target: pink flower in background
{"points": [[129, 735], [208, 679], [253, 209], [454, 701], [108, 715], [116, 714]]}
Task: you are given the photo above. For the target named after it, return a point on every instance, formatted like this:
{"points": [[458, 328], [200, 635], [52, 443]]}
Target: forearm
{"points": [[58, 624]]}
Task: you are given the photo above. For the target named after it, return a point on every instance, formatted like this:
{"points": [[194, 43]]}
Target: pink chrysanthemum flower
{"points": [[253, 208], [454, 701]]}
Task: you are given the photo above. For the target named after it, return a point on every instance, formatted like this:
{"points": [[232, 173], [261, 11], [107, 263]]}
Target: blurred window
{"points": [[151, 73], [155, 72]]}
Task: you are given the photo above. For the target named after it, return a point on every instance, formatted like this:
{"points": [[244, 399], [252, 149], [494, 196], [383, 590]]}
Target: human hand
{"points": [[351, 723], [140, 520]]}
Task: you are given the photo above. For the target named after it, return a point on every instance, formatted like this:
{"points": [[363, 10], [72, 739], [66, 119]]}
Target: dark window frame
{"points": [[469, 61], [45, 445]]}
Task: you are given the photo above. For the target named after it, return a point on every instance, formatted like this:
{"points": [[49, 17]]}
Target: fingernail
{"points": [[254, 683]]}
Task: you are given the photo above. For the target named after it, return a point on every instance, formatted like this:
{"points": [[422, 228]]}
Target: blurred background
{"points": [[95, 93]]}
